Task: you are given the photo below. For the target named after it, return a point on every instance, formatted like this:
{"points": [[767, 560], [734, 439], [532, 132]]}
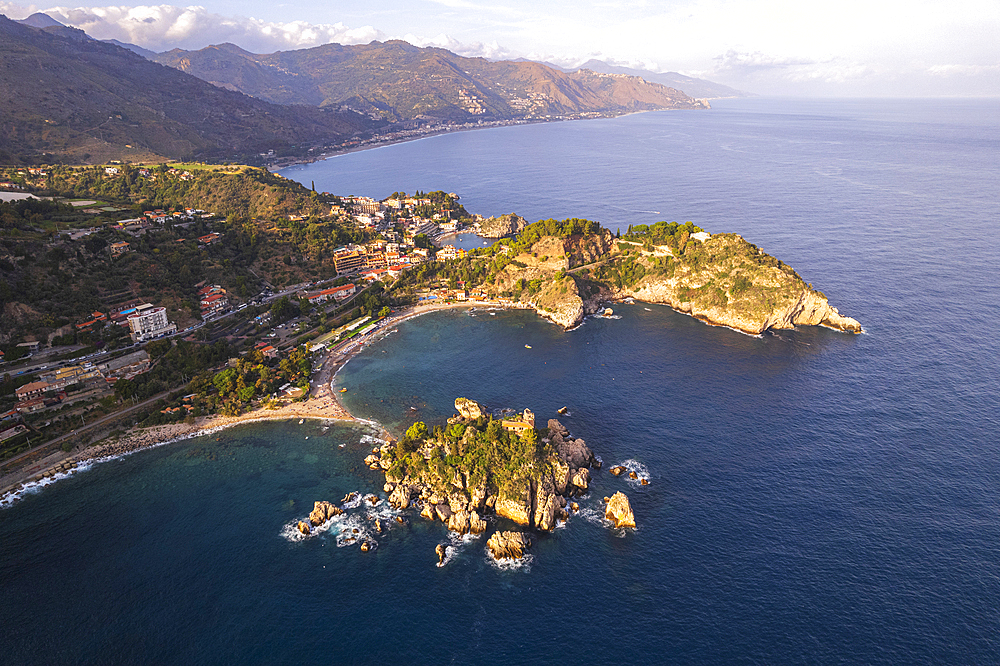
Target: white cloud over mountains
{"points": [[161, 27], [785, 47]]}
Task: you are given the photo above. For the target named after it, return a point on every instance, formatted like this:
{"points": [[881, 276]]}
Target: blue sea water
{"points": [[814, 496]]}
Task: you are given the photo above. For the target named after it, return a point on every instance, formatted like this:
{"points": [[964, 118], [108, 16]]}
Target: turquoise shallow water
{"points": [[814, 497]]}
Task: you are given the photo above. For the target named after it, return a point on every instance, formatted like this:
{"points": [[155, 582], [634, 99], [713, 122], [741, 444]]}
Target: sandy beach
{"points": [[323, 403]]}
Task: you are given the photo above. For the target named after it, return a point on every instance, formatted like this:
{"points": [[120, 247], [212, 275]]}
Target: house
{"points": [[376, 274], [118, 249], [336, 293], [520, 425], [214, 299], [74, 374], [208, 239], [377, 260], [32, 390], [395, 271], [31, 346], [450, 252], [267, 350], [28, 406]]}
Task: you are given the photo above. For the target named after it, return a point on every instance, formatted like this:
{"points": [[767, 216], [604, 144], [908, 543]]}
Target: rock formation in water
{"points": [[508, 545], [322, 512], [468, 409], [619, 511], [478, 465]]}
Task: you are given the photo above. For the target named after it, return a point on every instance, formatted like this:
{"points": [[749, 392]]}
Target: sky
{"points": [[836, 48]]}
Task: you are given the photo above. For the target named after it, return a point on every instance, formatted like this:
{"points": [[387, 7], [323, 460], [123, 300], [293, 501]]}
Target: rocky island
{"points": [[478, 465]]}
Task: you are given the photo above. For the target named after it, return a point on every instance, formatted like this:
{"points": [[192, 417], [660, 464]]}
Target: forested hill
{"points": [[72, 99], [399, 81]]}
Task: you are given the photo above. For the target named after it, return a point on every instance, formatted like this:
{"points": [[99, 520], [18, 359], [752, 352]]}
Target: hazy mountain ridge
{"points": [[66, 97], [700, 88], [402, 82]]}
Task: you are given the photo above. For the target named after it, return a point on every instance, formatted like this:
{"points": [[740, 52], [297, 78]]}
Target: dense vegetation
{"points": [[482, 451], [78, 100], [48, 282]]}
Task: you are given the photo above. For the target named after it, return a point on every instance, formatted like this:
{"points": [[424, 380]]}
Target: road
{"points": [[48, 447]]}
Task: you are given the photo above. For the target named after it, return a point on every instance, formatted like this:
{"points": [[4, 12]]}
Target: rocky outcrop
{"points": [[459, 522], [400, 497], [573, 452], [726, 281], [508, 545], [476, 524], [441, 550], [322, 512], [499, 227], [516, 505], [434, 473], [807, 308], [469, 409], [619, 511], [721, 279], [546, 505]]}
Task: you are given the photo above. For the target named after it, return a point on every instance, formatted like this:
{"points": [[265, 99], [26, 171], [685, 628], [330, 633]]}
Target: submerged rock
{"points": [[619, 511], [509, 545]]}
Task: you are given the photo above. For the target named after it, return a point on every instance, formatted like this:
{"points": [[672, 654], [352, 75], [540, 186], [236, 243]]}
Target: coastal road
{"points": [[12, 465]]}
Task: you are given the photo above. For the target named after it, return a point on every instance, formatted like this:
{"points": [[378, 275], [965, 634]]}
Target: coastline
{"points": [[322, 404], [302, 161]]}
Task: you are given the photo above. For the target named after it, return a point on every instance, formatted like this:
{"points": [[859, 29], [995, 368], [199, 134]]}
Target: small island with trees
{"points": [[478, 464]]}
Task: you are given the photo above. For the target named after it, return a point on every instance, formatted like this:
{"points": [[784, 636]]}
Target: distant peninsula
{"points": [[566, 270]]}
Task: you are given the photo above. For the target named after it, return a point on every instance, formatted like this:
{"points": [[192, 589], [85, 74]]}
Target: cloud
{"points": [[962, 70], [490, 51], [161, 27]]}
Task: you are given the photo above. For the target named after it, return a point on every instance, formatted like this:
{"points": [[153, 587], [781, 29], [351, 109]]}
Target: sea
{"points": [[812, 497]]}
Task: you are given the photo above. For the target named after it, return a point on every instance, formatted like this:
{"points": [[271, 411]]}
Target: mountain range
{"points": [[65, 97], [399, 82]]}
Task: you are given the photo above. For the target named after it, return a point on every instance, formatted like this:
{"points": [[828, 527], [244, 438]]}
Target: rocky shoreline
{"points": [[480, 466]]}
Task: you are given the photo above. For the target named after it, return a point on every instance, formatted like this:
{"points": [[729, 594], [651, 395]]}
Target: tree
{"points": [[417, 432]]}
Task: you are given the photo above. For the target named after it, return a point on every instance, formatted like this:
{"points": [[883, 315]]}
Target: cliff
{"points": [[726, 281], [721, 279]]}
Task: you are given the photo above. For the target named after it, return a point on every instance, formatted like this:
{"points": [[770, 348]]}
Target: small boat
{"points": [[343, 390], [647, 309], [563, 410], [301, 421], [527, 346], [608, 312]]}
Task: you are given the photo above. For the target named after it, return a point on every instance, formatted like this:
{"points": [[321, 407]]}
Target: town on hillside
{"points": [[140, 292]]}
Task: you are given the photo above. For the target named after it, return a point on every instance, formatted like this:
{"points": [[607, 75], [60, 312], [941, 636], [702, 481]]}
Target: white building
{"points": [[149, 322]]}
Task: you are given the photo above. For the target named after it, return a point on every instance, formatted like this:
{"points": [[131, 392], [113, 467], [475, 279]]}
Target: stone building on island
{"points": [[520, 424]]}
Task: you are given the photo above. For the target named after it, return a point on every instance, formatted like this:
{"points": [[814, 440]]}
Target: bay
{"points": [[814, 496]]}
